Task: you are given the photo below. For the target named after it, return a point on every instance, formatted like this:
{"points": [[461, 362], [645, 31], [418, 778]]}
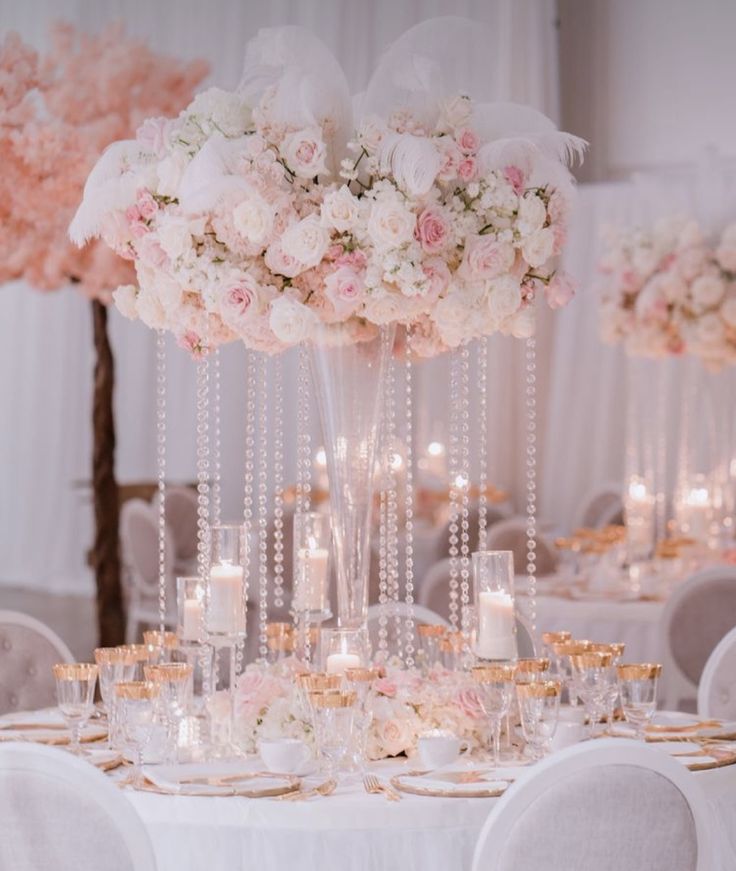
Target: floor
{"points": [[71, 617]]}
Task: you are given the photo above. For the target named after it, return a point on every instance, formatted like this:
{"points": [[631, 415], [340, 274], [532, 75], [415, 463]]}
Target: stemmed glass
{"points": [[617, 651], [136, 703], [637, 684], [594, 679], [529, 670], [175, 682], [161, 644], [75, 692], [430, 637], [496, 688], [539, 709], [549, 639], [334, 717], [114, 664], [563, 650], [360, 681]]}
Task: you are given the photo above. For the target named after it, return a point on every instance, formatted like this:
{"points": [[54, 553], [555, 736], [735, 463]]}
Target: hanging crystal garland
{"points": [[161, 472], [409, 504], [303, 498], [203, 506], [531, 478], [454, 495], [278, 484], [216, 440], [464, 466], [481, 348], [262, 506], [248, 483], [392, 504], [383, 587]]}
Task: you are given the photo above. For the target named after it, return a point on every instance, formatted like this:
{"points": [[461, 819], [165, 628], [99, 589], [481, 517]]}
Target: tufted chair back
{"points": [[28, 649]]}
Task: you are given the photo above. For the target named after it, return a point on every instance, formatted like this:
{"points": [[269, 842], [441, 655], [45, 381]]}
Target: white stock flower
{"points": [[504, 297], [390, 223], [304, 152], [253, 219], [532, 215], [538, 248], [125, 300], [175, 235], [340, 210], [291, 321], [221, 111], [306, 241]]}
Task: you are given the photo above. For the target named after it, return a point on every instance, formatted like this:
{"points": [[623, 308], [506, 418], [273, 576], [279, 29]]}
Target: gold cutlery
{"points": [[373, 785], [326, 788]]}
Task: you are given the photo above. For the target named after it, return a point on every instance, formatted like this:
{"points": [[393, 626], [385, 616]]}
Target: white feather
{"points": [[508, 152], [412, 160], [211, 174], [110, 186]]}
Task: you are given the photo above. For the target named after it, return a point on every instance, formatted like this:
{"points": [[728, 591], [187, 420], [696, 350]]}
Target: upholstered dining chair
{"points": [[603, 805], [717, 688], [59, 812], [697, 615], [602, 507], [511, 535], [434, 594], [181, 519], [139, 548], [403, 612], [28, 649]]}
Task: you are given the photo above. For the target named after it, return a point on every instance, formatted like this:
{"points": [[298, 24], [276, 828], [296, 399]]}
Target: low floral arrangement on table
{"points": [[265, 215], [667, 291], [404, 704]]}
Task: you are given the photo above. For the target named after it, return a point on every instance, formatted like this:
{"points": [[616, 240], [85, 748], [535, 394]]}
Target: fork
{"points": [[326, 788], [373, 785]]}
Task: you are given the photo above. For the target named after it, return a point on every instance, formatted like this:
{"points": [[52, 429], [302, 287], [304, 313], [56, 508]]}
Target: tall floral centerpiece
{"points": [[58, 112], [272, 216]]}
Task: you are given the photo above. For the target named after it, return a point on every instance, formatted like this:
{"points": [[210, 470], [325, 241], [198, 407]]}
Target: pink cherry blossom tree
{"points": [[57, 114]]}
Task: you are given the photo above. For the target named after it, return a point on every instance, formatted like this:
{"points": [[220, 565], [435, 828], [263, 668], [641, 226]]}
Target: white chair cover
{"points": [[58, 812], [696, 617], [401, 611], [605, 805], [28, 649], [511, 535], [181, 519], [717, 689], [600, 508]]}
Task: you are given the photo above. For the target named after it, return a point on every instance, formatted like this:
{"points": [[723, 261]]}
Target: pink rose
{"points": [[450, 157], [345, 289], [438, 274], [394, 736], [486, 258], [431, 230], [138, 229], [281, 263], [191, 342], [515, 177], [386, 687], [355, 258], [153, 135], [468, 141], [150, 252], [238, 301], [132, 214], [466, 169], [559, 291], [147, 205]]}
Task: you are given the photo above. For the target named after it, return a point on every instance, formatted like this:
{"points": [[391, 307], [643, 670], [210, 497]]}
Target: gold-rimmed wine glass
{"points": [[360, 681], [496, 689], [637, 683], [334, 718], [136, 702], [175, 682], [114, 664], [539, 710], [75, 695], [594, 678]]}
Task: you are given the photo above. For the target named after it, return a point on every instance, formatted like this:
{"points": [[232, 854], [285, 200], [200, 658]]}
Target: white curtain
{"points": [[45, 339]]}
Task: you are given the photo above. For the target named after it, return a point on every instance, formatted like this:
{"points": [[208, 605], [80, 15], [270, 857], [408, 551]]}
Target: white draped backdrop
{"points": [[45, 339]]}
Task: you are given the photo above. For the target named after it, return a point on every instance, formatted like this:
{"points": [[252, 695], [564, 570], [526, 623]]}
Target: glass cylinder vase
{"points": [[348, 378], [493, 585]]}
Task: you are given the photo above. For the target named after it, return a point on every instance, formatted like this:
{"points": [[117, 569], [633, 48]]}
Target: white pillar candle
{"points": [[225, 612], [337, 663], [496, 638], [191, 624], [311, 579]]}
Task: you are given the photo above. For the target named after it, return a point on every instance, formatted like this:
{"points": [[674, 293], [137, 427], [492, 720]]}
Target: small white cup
{"points": [[439, 748], [283, 755], [567, 734]]}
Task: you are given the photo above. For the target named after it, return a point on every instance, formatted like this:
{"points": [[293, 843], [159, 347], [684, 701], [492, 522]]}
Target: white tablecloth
{"points": [[353, 831]]}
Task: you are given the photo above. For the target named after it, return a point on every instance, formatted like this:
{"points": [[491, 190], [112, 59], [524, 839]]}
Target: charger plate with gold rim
{"points": [[452, 784], [51, 735], [259, 784]]}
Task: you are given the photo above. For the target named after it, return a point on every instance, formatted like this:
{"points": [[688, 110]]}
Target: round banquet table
{"points": [[354, 831]]}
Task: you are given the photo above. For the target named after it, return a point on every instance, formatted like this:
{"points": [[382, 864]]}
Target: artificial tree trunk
{"points": [[106, 550]]}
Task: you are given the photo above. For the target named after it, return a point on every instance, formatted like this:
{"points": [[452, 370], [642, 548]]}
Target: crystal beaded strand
{"points": [[382, 527], [531, 479], [454, 514], [262, 506], [409, 506], [482, 347], [161, 472], [464, 464], [248, 484], [216, 440], [278, 484], [392, 513], [303, 469], [203, 507]]}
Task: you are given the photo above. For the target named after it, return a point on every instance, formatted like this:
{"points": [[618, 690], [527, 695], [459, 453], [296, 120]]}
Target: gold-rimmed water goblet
{"points": [[360, 680], [616, 649], [136, 706], [334, 721], [549, 639], [75, 696], [161, 644], [595, 677], [563, 650], [637, 683], [175, 682], [114, 664], [496, 689], [539, 710], [430, 636]]}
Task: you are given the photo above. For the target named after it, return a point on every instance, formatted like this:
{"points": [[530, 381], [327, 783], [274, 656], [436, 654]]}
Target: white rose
{"points": [[340, 210], [125, 300], [455, 112], [385, 307], [504, 298], [522, 325], [150, 310], [451, 316], [538, 248], [532, 215], [372, 133], [728, 311], [253, 219], [305, 152], [169, 172], [175, 236], [291, 321], [390, 223], [281, 263], [707, 291], [306, 241]]}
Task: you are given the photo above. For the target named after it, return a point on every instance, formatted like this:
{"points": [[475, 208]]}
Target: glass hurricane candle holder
{"points": [[190, 605], [342, 648], [638, 687], [493, 586], [311, 565], [225, 613], [75, 693], [639, 512]]}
